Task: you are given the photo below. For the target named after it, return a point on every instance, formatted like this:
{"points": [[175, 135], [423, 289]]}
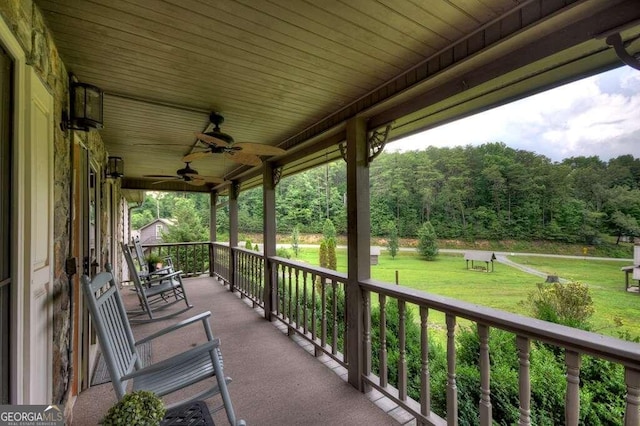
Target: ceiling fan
{"points": [[187, 174], [221, 143]]}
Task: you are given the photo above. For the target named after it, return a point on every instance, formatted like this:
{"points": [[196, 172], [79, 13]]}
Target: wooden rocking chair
{"points": [[178, 372], [155, 293], [143, 269]]}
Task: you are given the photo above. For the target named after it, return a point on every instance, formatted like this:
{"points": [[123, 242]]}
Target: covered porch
{"points": [[276, 379]]}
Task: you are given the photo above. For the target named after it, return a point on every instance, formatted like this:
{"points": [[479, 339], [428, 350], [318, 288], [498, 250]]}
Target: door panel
{"points": [[39, 333], [6, 82]]}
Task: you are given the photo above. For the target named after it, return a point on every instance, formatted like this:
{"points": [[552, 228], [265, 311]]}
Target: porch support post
{"points": [[234, 190], [269, 234], [358, 229], [213, 231]]}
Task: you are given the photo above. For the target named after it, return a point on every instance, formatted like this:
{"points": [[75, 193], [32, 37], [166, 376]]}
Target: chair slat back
{"points": [[139, 256], [134, 273], [113, 328]]}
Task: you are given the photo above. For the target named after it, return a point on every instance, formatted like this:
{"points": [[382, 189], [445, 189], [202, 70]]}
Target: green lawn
{"points": [[606, 282], [507, 288]]}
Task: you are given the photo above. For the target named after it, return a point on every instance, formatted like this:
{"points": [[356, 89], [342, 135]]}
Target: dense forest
{"points": [[489, 191]]}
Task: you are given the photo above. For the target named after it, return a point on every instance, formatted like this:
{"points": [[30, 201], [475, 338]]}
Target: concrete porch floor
{"points": [[276, 380]]}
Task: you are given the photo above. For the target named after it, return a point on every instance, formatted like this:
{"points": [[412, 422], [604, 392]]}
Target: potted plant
{"points": [[141, 408], [154, 261]]}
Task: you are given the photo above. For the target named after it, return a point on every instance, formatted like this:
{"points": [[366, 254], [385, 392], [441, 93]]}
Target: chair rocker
{"points": [[178, 372], [155, 293]]}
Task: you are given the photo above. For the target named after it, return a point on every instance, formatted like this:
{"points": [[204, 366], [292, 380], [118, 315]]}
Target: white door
{"points": [[39, 217]]}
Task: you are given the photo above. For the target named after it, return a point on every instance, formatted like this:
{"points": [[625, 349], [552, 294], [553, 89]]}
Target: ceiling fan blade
{"points": [[196, 156], [242, 158], [211, 140], [258, 149], [209, 179], [162, 176], [196, 182], [163, 181]]}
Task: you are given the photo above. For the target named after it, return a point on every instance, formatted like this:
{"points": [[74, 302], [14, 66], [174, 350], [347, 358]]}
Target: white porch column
{"points": [[358, 229], [269, 234]]}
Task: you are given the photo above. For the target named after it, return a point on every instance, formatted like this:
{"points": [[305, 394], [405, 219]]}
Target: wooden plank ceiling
{"points": [[288, 72]]}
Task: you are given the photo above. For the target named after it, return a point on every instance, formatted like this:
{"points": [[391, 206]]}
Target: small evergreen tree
{"points": [[427, 242], [295, 240], [393, 242], [332, 259], [248, 245], [256, 247], [324, 255], [329, 231]]}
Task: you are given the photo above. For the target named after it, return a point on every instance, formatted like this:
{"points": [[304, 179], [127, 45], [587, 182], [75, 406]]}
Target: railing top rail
{"points": [[328, 273], [220, 243], [190, 243], [249, 252], [610, 348]]}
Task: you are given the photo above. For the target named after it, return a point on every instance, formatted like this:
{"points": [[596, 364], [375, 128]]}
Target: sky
{"points": [[598, 115]]}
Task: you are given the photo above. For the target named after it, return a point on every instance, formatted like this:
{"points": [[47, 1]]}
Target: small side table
{"points": [[191, 414]]}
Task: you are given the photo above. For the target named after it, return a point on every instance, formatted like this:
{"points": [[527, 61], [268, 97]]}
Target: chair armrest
{"points": [[200, 317], [174, 360]]}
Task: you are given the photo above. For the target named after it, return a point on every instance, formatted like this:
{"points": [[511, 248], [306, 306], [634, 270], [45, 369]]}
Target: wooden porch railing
{"points": [[191, 258], [310, 300]]}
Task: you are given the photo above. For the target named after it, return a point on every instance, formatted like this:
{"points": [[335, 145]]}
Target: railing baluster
{"points": [[452, 388], [632, 413], [486, 415], [425, 385], [297, 304], [402, 360], [384, 372], [522, 343], [572, 398], [323, 331], [334, 340], [290, 294], [313, 312], [366, 299], [304, 300]]}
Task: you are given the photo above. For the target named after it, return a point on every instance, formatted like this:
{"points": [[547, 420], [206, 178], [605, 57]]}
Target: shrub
{"points": [[248, 245], [283, 252], [567, 304], [142, 408]]}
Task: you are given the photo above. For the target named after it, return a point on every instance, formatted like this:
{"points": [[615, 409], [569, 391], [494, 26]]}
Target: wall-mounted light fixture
{"points": [[86, 108], [115, 167]]}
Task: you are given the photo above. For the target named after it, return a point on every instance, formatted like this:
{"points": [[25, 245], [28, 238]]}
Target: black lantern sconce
{"points": [[86, 108], [115, 167]]}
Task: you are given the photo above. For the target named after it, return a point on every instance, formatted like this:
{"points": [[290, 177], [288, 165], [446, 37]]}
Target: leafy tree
{"points": [[427, 242], [141, 218], [392, 241], [188, 226]]}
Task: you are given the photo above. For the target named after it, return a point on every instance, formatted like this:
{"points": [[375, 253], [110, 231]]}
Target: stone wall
{"points": [[29, 27]]}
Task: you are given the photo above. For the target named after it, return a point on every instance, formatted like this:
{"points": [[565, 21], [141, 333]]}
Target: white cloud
{"points": [[599, 115]]}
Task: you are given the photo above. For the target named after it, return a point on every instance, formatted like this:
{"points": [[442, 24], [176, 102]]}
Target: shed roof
{"points": [[485, 256]]}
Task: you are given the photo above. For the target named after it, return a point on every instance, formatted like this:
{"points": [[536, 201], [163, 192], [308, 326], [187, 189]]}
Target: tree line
{"points": [[489, 191]]}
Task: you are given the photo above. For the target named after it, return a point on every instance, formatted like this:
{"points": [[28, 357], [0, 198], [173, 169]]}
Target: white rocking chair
{"points": [[118, 346]]}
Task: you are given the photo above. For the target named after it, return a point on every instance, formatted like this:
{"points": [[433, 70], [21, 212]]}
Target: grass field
{"points": [[507, 288]]}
